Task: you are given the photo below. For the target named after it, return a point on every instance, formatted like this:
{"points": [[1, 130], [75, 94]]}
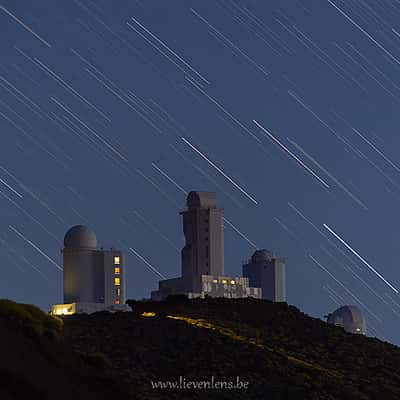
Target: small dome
{"points": [[80, 236], [350, 318], [261, 256]]}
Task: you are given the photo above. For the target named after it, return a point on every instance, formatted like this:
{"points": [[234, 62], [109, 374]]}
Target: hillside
{"points": [[35, 364], [281, 353]]}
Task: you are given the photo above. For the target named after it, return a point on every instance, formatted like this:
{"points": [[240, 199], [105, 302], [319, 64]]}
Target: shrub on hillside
{"points": [[31, 318]]}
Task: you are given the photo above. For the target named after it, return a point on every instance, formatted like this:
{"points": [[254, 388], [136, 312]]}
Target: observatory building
{"points": [[203, 255], [94, 279], [350, 318], [268, 273]]}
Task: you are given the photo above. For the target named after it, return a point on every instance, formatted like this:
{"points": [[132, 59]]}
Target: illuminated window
{"points": [[232, 282], [117, 260], [118, 291], [117, 281], [223, 281], [117, 270], [215, 280], [117, 301]]}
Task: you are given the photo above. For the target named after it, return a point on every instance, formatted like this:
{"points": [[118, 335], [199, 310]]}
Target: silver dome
{"points": [[80, 236], [350, 318]]}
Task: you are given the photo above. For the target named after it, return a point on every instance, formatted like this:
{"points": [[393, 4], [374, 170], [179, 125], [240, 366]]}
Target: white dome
{"points": [[80, 236], [350, 318]]}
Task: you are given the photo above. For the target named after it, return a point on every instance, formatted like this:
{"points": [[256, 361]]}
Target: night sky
{"points": [[110, 111]]}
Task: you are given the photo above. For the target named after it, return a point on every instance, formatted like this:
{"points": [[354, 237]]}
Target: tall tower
{"points": [[267, 272], [203, 253], [82, 282]]}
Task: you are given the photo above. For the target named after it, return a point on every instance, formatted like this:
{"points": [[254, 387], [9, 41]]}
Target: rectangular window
{"points": [[118, 291], [117, 281], [117, 260], [117, 301], [117, 270]]}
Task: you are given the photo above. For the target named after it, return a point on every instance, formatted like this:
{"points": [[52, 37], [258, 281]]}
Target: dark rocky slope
{"points": [[281, 352]]}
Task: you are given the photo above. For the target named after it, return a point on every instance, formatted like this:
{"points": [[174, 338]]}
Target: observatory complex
{"points": [[349, 318], [202, 260], [94, 279]]}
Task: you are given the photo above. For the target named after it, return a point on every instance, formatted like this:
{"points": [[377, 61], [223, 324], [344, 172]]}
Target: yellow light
{"points": [[117, 270], [117, 281], [117, 260], [62, 309], [148, 314], [215, 280], [223, 281], [233, 282]]}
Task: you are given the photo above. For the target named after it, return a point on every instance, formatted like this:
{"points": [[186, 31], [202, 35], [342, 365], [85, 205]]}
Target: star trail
{"points": [[111, 113]]}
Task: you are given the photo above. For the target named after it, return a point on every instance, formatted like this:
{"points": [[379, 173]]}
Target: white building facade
{"points": [[94, 279], [203, 255]]}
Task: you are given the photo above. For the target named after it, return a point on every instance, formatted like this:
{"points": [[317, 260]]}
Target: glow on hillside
{"points": [[148, 314], [202, 323], [63, 309]]}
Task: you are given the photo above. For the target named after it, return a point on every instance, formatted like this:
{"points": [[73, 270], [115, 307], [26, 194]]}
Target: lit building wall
{"points": [[228, 286], [114, 277]]}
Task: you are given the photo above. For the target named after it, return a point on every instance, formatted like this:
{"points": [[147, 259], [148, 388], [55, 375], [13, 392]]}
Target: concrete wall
{"points": [[203, 253], [216, 240], [89, 276], [280, 280], [80, 284], [269, 275]]}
